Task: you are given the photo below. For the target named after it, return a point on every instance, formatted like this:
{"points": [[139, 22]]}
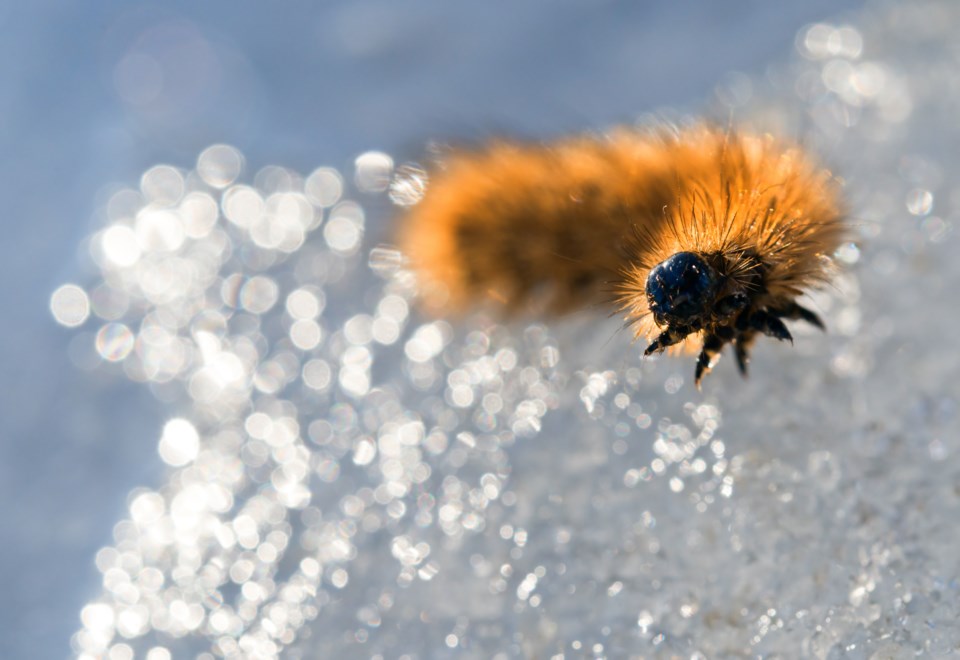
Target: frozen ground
{"points": [[349, 480]]}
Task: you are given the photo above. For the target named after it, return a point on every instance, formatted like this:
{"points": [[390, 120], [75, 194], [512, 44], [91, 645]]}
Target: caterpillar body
{"points": [[699, 236]]}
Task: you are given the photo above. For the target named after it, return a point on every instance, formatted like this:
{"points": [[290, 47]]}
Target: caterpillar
{"points": [[699, 236]]}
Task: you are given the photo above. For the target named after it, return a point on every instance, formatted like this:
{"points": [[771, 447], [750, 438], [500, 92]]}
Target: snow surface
{"points": [[353, 480]]}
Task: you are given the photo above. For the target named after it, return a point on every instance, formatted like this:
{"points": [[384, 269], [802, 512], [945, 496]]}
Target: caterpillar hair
{"points": [[699, 236]]}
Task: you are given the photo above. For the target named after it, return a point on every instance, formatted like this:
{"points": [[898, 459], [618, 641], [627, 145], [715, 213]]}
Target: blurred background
{"points": [[95, 93]]}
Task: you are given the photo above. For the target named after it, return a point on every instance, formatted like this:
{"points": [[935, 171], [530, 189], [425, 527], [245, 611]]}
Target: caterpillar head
{"points": [[682, 290], [686, 293]]}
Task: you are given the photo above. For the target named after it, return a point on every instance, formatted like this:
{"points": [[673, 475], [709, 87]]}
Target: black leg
{"points": [[712, 346], [741, 332], [743, 320], [725, 332], [668, 337], [733, 303], [795, 311], [776, 328], [741, 347], [770, 325]]}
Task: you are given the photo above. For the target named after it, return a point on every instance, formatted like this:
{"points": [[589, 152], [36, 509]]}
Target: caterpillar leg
{"points": [[741, 333], [745, 337], [794, 311], [741, 347], [768, 324], [668, 337], [712, 346]]}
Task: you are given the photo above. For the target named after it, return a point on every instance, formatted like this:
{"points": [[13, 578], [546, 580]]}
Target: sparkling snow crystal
{"points": [[350, 479]]}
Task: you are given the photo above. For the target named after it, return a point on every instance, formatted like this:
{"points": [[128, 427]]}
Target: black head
{"points": [[682, 289]]}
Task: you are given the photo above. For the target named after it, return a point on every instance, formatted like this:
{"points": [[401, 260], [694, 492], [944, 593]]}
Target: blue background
{"points": [[295, 83]]}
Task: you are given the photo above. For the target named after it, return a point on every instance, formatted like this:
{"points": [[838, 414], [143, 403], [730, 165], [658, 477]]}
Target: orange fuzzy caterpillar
{"points": [[700, 236]]}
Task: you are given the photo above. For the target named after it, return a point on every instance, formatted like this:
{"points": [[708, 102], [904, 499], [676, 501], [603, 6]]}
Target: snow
{"points": [[361, 481]]}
